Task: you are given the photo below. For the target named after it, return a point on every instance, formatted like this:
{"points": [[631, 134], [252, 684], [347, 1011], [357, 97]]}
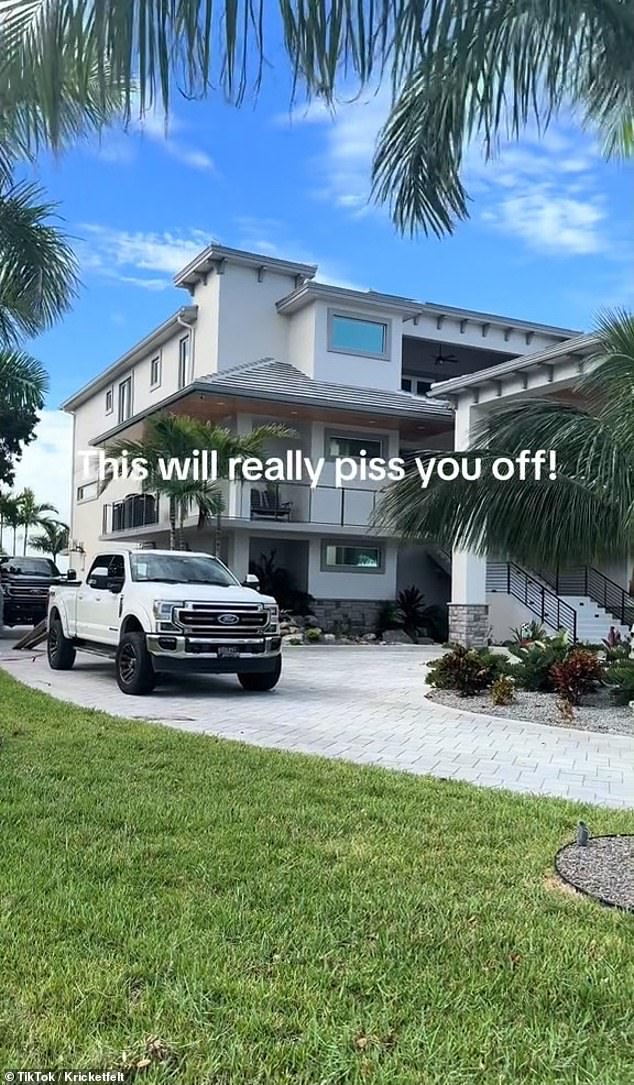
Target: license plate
{"points": [[231, 650]]}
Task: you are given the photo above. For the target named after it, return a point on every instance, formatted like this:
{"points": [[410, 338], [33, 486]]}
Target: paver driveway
{"points": [[365, 704]]}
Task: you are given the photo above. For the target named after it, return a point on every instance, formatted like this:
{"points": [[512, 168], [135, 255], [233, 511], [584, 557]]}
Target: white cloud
{"points": [[267, 236], [120, 147], [343, 169], [542, 190], [46, 465], [121, 255], [551, 221]]}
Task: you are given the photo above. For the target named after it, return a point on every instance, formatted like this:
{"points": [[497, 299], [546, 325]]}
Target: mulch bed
{"points": [[603, 869], [597, 713]]}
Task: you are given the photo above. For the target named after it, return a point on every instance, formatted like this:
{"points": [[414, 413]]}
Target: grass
{"points": [[223, 915]]}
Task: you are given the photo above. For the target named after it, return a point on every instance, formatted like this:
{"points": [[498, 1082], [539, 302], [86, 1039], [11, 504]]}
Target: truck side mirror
{"points": [[251, 581], [71, 574]]}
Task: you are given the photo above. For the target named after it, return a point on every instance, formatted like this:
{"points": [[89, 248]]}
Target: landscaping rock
{"points": [[396, 636], [603, 868], [368, 638], [292, 638], [329, 638]]}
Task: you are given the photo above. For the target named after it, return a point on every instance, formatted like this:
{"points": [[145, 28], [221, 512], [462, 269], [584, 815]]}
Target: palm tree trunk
{"points": [[26, 532], [218, 537], [15, 538], [1, 530], [172, 519]]}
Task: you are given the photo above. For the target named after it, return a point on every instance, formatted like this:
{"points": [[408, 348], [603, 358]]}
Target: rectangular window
{"points": [[406, 384], [125, 399], [354, 335], [88, 491], [155, 372], [367, 559], [422, 387], [183, 361], [356, 447], [109, 401]]}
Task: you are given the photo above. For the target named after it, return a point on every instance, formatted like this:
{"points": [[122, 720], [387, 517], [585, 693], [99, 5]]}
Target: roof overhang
{"points": [[578, 346], [222, 393], [214, 258], [186, 315]]}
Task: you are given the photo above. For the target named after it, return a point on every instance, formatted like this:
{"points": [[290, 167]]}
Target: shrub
{"points": [[528, 633], [619, 677], [534, 669], [579, 673], [313, 635], [503, 690], [466, 670], [411, 611], [387, 618]]}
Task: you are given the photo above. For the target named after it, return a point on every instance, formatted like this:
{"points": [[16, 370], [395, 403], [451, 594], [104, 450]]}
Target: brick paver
{"points": [[364, 704]]}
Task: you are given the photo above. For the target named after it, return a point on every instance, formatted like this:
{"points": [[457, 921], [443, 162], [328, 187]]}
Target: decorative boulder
{"points": [[396, 636]]}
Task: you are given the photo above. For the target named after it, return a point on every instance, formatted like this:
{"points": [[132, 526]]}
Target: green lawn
{"points": [[238, 916]]}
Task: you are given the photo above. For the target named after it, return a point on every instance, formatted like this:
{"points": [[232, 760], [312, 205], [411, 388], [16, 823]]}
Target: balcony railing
{"points": [[136, 510], [300, 503]]}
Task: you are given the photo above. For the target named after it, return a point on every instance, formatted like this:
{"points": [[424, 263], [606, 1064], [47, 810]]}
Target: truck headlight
{"points": [[162, 609], [274, 614]]}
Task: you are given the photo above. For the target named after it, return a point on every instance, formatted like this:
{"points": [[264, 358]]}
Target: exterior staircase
{"points": [[584, 602]]}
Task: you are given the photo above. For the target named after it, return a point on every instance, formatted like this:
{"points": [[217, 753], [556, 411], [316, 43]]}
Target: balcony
{"points": [[298, 503], [134, 511]]}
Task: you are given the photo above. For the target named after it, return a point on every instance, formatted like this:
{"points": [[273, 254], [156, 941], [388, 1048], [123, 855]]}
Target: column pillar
{"points": [[468, 610]]}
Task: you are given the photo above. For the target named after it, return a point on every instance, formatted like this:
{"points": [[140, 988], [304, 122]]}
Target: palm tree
{"points": [[583, 515], [459, 71], [32, 513], [52, 540], [10, 516], [168, 437]]}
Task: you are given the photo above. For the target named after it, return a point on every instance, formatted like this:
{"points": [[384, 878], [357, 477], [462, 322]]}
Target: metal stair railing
{"points": [[585, 580], [506, 577]]}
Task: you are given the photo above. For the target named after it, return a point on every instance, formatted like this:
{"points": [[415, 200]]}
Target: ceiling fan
{"points": [[441, 358]]}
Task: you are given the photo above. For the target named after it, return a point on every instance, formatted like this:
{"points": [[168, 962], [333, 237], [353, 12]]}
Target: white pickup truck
{"points": [[156, 611]]}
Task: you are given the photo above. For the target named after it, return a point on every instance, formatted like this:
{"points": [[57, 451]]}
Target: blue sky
{"points": [[548, 238]]}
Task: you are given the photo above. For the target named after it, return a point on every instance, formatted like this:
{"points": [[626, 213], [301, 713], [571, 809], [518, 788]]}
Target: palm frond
{"points": [[38, 271], [23, 381]]}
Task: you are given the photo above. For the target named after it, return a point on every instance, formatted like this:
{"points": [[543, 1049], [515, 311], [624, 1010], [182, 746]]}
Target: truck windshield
{"points": [[180, 569], [31, 567]]}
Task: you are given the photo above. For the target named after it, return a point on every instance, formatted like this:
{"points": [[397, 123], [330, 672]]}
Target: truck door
{"points": [[98, 600]]}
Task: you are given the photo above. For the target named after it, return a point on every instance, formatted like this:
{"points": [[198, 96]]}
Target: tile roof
{"points": [[270, 379]]}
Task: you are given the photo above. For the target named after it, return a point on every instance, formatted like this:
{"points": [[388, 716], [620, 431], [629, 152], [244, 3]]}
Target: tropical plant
{"points": [[460, 72], [467, 671], [619, 678], [38, 276], [387, 617], [52, 540], [503, 690], [528, 633], [176, 437], [584, 514], [533, 671], [411, 610], [278, 581], [576, 675], [32, 513], [9, 516]]}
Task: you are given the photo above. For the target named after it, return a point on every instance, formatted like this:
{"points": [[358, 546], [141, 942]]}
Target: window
{"points": [[422, 387], [183, 361], [178, 568], [125, 399], [88, 491], [366, 559], [112, 563], [406, 384], [155, 372], [109, 401], [354, 335], [419, 387], [356, 447]]}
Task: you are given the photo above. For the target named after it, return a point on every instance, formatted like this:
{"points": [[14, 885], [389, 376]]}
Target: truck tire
{"points": [[135, 673], [265, 680], [59, 649]]}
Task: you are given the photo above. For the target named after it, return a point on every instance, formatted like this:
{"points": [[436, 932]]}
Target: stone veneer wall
{"points": [[469, 624], [347, 615]]}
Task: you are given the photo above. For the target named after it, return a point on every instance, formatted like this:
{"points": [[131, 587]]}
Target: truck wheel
{"points": [[59, 649], [259, 683], [135, 673]]}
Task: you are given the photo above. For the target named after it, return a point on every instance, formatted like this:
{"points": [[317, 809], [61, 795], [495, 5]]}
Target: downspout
{"points": [[192, 341]]}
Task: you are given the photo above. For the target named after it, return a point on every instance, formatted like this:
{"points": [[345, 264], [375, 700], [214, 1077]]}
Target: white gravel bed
{"points": [[597, 713]]}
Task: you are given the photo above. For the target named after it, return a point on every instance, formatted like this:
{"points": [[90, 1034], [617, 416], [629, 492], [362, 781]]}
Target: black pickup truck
{"points": [[24, 585]]}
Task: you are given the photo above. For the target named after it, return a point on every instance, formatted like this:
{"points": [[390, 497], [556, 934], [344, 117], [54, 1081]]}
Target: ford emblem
{"points": [[228, 619]]}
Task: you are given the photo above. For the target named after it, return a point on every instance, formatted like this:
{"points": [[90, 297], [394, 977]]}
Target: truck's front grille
{"points": [[230, 621]]}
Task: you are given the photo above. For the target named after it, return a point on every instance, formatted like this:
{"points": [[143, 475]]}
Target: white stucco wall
{"points": [[351, 585]]}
